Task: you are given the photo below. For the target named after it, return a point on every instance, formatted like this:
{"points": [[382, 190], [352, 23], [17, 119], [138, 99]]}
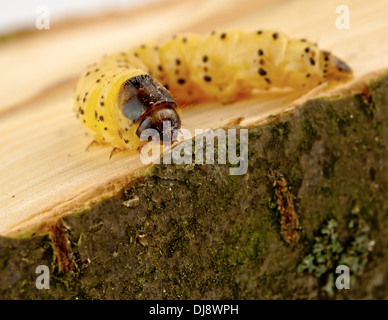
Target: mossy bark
{"points": [[194, 231]]}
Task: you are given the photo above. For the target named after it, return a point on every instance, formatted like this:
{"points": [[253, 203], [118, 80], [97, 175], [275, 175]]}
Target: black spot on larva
{"points": [[126, 141], [262, 72], [103, 75], [267, 80], [177, 61], [307, 50], [160, 68], [97, 70], [95, 114], [83, 120], [275, 35], [106, 129], [259, 32], [84, 99], [101, 118], [260, 52], [181, 81], [166, 86], [205, 58], [126, 129], [312, 61], [81, 111], [87, 73], [207, 78], [308, 75], [98, 80], [327, 58], [324, 70], [223, 35]]}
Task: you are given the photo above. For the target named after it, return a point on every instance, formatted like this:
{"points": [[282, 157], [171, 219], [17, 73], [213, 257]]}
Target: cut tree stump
{"points": [[313, 197]]}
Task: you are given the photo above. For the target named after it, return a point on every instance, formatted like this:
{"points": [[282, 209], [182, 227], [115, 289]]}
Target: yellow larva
{"points": [[130, 91]]}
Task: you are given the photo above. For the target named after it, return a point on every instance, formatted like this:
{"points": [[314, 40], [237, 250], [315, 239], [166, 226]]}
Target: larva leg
{"points": [[93, 144], [114, 152]]}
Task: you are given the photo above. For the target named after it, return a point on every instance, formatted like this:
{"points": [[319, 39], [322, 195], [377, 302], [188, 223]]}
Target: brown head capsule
{"points": [[145, 101]]}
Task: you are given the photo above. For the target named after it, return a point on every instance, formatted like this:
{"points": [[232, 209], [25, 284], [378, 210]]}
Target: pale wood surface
{"points": [[44, 169]]}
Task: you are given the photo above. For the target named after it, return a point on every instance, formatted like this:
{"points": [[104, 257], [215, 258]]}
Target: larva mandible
{"points": [[130, 91]]}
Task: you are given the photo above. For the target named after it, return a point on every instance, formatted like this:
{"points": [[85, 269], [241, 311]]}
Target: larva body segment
{"points": [[241, 62], [216, 63], [96, 99], [111, 97], [171, 64]]}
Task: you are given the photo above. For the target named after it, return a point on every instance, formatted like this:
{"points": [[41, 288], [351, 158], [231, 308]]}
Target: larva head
{"points": [[149, 105], [334, 68]]}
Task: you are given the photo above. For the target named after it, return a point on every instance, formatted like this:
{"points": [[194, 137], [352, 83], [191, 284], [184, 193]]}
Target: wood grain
{"points": [[44, 168]]}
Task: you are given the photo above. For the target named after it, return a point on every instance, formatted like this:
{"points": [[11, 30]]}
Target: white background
{"points": [[16, 15]]}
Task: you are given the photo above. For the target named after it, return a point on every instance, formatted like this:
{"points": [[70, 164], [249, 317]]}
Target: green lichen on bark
{"points": [[194, 231], [328, 253]]}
